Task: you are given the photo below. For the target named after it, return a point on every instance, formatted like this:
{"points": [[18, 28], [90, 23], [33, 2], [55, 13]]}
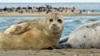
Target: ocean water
{"points": [[78, 6], [71, 22]]}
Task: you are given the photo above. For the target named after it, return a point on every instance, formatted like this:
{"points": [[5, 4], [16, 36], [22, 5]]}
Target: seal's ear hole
{"points": [[50, 20], [59, 20]]}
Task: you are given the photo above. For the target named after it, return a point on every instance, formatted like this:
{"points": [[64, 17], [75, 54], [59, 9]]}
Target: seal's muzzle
{"points": [[55, 27]]}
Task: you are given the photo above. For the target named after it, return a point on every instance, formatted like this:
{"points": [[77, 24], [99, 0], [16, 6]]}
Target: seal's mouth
{"points": [[55, 33]]}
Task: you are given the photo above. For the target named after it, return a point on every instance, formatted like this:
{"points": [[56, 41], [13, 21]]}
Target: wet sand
{"points": [[55, 52]]}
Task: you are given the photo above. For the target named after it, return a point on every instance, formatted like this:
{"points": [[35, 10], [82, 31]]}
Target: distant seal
{"points": [[33, 34], [86, 36]]}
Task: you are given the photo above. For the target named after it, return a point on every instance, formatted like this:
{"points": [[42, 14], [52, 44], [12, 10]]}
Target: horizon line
{"points": [[49, 2]]}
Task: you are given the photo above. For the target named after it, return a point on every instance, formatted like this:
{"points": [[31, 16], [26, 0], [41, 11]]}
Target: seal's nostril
{"points": [[54, 24]]}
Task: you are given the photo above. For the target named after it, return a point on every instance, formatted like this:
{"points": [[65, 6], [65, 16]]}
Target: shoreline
{"points": [[42, 15], [32, 11]]}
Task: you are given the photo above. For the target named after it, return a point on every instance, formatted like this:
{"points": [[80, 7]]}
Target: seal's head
{"points": [[55, 23]]}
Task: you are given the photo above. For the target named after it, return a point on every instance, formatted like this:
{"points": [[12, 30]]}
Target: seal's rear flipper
{"points": [[64, 45], [63, 40]]}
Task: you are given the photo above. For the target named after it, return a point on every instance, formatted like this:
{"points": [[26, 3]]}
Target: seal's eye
{"points": [[51, 20], [59, 20]]}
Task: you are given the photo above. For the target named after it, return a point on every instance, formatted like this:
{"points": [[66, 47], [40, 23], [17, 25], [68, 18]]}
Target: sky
{"points": [[48, 1]]}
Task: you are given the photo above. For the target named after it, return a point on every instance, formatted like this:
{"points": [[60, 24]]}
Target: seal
{"points": [[86, 36], [33, 34]]}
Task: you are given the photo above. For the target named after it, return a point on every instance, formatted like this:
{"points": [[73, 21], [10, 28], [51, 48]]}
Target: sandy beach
{"points": [[55, 52], [14, 14]]}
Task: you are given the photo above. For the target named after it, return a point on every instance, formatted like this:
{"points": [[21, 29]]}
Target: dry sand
{"points": [[55, 52], [14, 14]]}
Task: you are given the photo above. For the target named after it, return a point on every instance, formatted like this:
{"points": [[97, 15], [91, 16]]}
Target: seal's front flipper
{"points": [[17, 29]]}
